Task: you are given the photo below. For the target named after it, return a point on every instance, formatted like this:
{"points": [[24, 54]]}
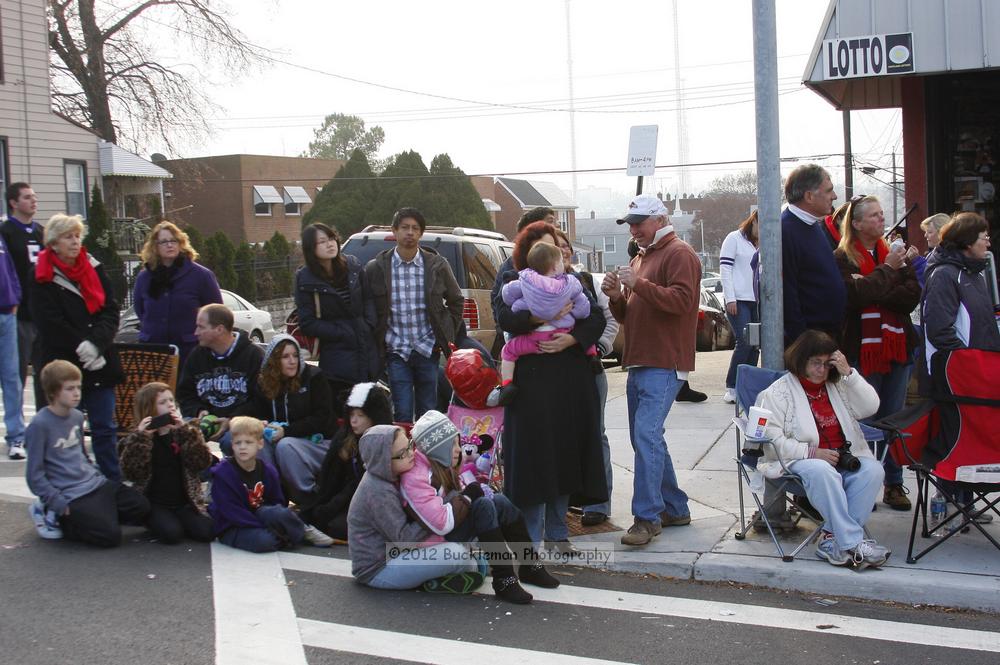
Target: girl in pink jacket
{"points": [[433, 492]]}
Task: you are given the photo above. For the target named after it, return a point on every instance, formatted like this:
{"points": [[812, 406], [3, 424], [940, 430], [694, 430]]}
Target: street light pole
{"points": [[765, 59]]}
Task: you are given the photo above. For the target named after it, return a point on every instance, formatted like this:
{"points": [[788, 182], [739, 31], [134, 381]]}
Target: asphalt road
{"points": [[150, 603]]}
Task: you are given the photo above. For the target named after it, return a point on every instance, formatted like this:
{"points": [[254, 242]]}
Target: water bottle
{"points": [[938, 509]]}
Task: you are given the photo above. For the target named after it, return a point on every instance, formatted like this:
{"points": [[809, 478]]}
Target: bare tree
{"points": [[107, 73], [724, 205]]}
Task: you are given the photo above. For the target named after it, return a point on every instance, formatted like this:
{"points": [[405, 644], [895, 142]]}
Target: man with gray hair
{"points": [[815, 295]]}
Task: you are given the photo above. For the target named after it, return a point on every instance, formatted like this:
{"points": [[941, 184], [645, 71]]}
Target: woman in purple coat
{"points": [[171, 289]]}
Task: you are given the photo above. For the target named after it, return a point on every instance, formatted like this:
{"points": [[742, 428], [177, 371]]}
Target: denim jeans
{"points": [[413, 384], [650, 392], [412, 568], [99, 404], [602, 396], [485, 515], [10, 380], [843, 498], [891, 389], [548, 518], [743, 354], [281, 527]]}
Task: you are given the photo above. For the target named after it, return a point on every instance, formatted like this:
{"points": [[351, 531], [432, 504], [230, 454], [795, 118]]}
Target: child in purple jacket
{"points": [[545, 290]]}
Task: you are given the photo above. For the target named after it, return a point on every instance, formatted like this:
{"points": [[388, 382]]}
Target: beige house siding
{"points": [[38, 141]]}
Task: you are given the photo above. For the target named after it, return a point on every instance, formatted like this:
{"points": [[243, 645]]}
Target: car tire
{"points": [[257, 337]]}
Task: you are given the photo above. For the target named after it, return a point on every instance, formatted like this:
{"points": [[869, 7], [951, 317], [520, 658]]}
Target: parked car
{"points": [[474, 255], [247, 317], [714, 331]]}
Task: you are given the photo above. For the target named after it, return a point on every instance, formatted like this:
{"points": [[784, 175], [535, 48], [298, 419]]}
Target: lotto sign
{"points": [[870, 55]]}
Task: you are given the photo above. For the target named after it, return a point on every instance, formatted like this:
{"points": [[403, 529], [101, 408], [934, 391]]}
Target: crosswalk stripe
{"points": [[707, 610], [421, 649]]}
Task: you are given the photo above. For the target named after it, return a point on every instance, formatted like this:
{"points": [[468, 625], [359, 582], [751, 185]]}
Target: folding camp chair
{"points": [[750, 381], [952, 444], [142, 364]]}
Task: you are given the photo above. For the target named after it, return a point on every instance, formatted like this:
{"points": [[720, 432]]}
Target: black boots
{"points": [[531, 571], [505, 584]]}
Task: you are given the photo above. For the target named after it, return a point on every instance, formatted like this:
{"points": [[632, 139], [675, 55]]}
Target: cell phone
{"points": [[161, 421]]}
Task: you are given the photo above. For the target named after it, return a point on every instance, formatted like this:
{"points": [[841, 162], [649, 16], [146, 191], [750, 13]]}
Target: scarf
{"points": [[81, 273], [831, 226], [162, 278], [883, 332]]}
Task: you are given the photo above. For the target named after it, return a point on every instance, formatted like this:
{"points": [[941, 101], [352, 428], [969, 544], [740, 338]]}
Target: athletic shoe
{"points": [[641, 532], [317, 538], [46, 522], [16, 450], [869, 554], [828, 550], [894, 496], [457, 583], [730, 396]]}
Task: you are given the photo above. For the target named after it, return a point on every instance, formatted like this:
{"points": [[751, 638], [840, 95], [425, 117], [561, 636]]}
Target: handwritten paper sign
{"points": [[642, 150]]}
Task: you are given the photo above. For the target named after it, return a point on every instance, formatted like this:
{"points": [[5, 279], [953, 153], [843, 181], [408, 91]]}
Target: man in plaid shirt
{"points": [[419, 308]]}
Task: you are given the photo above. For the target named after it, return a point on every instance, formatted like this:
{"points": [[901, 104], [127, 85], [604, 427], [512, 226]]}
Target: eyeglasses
{"points": [[406, 452], [172, 241], [817, 363]]}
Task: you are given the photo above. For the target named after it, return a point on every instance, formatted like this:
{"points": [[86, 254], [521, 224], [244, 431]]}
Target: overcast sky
{"points": [[514, 54]]}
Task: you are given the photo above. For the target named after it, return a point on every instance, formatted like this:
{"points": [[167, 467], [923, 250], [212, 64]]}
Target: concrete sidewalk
{"points": [[964, 573]]}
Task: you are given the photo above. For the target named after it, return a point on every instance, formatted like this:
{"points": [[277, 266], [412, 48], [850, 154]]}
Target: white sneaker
{"points": [[730, 396], [16, 450], [868, 553], [46, 522], [317, 538]]}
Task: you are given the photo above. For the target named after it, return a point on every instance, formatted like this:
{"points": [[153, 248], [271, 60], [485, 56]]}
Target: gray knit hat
{"points": [[434, 435]]}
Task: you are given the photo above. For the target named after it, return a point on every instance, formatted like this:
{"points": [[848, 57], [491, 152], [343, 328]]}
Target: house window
{"points": [[609, 245], [4, 180], [76, 188], [293, 197], [564, 221], [263, 197]]}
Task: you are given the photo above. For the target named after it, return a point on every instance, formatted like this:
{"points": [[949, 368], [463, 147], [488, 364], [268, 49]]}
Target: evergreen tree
{"points": [[196, 240], [346, 200], [278, 252], [100, 242], [246, 278], [218, 256], [452, 200]]}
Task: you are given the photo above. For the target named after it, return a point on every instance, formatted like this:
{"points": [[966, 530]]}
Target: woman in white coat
{"points": [[815, 431]]}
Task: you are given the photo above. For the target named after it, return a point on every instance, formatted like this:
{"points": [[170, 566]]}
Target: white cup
{"points": [[757, 419]]}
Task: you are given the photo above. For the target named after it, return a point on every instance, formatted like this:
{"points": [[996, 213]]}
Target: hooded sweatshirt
{"points": [[221, 385], [545, 297], [376, 516], [957, 310], [307, 410], [432, 505]]}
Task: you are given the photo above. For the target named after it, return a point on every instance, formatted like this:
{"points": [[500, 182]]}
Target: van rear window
{"points": [[365, 249]]}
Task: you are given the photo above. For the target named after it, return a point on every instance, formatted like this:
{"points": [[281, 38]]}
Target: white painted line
{"points": [[708, 610], [254, 618], [420, 649]]}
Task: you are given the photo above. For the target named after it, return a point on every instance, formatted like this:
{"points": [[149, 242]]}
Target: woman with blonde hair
{"points": [[76, 314], [878, 337], [932, 234], [171, 288]]}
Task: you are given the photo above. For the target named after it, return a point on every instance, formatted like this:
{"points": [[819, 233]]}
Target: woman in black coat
{"points": [[76, 314], [344, 323], [552, 436]]}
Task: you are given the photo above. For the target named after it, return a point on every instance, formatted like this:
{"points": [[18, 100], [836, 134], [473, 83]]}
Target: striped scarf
{"points": [[883, 335]]}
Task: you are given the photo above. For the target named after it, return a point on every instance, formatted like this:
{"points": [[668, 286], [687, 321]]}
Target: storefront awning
{"points": [[865, 47]]}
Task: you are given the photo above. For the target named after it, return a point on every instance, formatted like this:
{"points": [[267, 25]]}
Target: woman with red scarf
{"points": [[76, 315], [878, 338]]}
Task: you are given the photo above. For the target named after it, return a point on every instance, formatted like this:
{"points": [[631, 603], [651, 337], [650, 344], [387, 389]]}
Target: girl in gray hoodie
{"points": [[389, 548]]}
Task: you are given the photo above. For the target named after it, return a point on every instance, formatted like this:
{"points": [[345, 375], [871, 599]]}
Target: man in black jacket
{"points": [[219, 375]]}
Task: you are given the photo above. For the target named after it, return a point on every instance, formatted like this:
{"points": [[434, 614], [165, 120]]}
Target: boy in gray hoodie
{"points": [[389, 548], [74, 499]]}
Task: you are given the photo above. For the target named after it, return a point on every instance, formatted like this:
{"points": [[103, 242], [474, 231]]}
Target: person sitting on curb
{"points": [[219, 374], [816, 407]]}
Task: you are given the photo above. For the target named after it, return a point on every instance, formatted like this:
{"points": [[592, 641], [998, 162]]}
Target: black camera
{"points": [[847, 461]]}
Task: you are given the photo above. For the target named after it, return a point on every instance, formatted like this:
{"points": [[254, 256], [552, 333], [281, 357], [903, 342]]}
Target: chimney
{"points": [[593, 215]]}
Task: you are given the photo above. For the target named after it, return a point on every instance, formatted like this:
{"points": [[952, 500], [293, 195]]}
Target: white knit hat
{"points": [[435, 436]]}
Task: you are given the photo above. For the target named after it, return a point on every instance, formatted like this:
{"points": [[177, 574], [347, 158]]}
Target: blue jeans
{"points": [[10, 380], [650, 392], [99, 404], [602, 396], [413, 383], [412, 568], [281, 527], [485, 515], [891, 389], [843, 498], [549, 518], [743, 354]]}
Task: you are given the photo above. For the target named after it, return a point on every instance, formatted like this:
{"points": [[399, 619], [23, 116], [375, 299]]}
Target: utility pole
{"points": [[895, 204], [572, 102], [848, 157], [765, 59], [682, 143]]}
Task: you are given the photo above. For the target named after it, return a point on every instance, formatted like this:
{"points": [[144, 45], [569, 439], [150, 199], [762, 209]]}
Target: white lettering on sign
{"points": [[642, 150], [867, 55]]}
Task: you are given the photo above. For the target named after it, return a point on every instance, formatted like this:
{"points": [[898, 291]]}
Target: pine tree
{"points": [[100, 242], [246, 278]]}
